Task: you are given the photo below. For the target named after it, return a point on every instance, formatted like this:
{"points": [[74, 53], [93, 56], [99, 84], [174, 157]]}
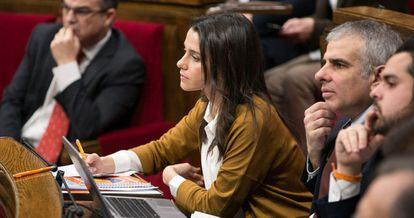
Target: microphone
{"points": [[71, 211]]}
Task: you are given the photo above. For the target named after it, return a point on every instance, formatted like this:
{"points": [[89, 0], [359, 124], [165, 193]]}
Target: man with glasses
{"points": [[78, 79]]}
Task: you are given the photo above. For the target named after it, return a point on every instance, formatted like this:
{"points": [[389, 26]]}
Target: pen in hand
{"points": [[80, 149]]}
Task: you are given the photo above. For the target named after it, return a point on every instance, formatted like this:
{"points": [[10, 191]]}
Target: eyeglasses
{"points": [[80, 11]]}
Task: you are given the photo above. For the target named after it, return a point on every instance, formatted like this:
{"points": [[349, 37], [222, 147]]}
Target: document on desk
{"points": [[112, 183], [71, 171], [121, 182]]}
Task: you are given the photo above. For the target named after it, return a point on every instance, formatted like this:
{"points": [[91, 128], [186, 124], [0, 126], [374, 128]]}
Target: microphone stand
{"points": [[71, 211]]}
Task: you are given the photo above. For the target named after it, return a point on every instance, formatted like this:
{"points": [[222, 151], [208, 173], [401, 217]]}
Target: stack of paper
{"points": [[106, 182], [112, 183]]}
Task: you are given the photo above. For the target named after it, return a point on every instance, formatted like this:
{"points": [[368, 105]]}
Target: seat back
{"points": [[400, 22], [147, 39], [15, 31]]}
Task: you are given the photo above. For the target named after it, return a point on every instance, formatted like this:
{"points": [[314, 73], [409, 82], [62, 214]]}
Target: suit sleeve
{"points": [[113, 99], [11, 108], [339, 209], [308, 180], [322, 17], [175, 145]]}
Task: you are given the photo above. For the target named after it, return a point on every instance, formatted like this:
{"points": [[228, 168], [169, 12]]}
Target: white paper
{"points": [[71, 171]]}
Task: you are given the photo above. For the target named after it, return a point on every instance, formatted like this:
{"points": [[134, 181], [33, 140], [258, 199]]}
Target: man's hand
{"points": [[185, 170], [298, 30], [355, 145], [319, 120], [65, 46]]}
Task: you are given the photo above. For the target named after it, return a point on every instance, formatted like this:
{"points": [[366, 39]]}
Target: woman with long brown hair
{"points": [[250, 163]]}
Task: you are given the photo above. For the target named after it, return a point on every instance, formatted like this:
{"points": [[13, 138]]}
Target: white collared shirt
{"points": [[63, 76], [210, 161]]}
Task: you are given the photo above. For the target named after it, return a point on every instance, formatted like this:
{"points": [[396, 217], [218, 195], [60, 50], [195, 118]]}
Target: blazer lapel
{"points": [[101, 59], [330, 141]]}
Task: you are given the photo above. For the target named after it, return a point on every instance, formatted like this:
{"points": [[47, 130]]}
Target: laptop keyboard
{"points": [[131, 207]]}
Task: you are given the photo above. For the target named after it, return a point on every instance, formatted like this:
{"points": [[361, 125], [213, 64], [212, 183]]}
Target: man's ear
{"points": [[110, 17], [377, 73]]}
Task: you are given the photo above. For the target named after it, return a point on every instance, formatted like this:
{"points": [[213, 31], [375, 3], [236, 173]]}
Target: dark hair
{"points": [[232, 63], [408, 46], [108, 4]]}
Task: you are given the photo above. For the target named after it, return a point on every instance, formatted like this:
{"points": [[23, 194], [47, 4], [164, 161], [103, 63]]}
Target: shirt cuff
{"points": [[309, 169], [126, 160], [341, 190], [174, 183], [66, 74]]}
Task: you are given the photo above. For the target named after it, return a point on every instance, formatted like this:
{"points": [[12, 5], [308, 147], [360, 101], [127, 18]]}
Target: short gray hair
{"points": [[379, 42]]}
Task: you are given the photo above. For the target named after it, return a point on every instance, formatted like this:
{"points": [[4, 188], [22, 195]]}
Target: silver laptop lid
{"points": [[87, 177]]}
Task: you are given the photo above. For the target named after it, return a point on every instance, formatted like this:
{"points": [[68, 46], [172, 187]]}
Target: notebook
{"points": [[117, 206], [111, 183]]}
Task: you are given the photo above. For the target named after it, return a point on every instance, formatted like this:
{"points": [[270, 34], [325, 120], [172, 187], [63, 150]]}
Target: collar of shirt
{"points": [[333, 4], [211, 123], [91, 52], [210, 161], [361, 118]]}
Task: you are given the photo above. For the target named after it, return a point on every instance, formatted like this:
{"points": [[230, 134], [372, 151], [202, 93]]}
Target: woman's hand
{"points": [[185, 170], [100, 164]]}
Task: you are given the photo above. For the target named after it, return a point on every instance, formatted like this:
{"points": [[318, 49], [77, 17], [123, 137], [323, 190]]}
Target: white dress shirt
{"points": [[63, 76]]}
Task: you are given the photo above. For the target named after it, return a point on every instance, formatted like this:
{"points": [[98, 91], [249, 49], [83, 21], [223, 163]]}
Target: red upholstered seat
{"points": [[15, 31], [148, 121]]}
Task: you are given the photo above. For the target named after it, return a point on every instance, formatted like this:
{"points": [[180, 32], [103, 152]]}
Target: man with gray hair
{"points": [[356, 51]]}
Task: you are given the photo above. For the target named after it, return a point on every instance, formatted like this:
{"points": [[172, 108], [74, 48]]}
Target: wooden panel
{"points": [[174, 14], [400, 22], [182, 2]]}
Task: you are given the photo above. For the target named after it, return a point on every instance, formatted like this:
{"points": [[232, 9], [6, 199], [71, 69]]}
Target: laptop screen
{"points": [[87, 177]]}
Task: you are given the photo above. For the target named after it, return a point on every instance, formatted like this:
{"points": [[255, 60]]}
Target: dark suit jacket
{"points": [[345, 208], [102, 100], [314, 184]]}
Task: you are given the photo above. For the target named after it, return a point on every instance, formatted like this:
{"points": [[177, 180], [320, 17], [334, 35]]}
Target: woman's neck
{"points": [[215, 104]]}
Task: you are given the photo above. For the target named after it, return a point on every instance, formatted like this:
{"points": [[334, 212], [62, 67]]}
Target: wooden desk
{"points": [[30, 196], [253, 8]]}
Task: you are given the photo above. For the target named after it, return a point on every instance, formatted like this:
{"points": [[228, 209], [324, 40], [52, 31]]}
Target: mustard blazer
{"points": [[261, 168]]}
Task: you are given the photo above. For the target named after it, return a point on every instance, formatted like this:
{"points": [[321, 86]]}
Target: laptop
{"points": [[118, 206]]}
